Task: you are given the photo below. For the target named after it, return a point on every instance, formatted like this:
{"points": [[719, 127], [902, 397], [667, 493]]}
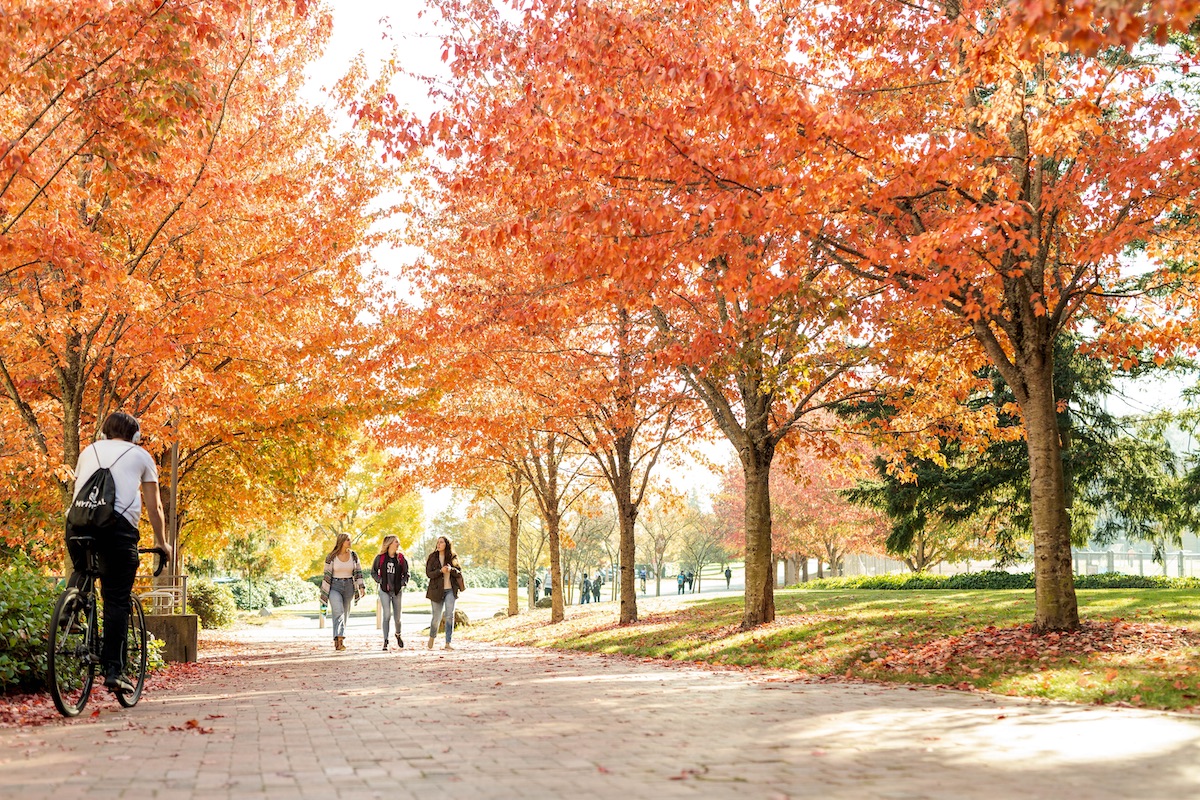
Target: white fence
{"points": [[1086, 562]]}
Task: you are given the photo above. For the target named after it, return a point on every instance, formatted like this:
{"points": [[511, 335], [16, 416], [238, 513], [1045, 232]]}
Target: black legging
{"points": [[117, 560]]}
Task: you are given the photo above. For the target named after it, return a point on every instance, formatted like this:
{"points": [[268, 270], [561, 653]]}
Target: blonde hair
{"points": [[337, 546], [388, 540]]}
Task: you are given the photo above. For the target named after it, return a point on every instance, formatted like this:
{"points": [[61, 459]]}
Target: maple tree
{"points": [[180, 237], [760, 332], [631, 412], [1005, 189], [1092, 24]]}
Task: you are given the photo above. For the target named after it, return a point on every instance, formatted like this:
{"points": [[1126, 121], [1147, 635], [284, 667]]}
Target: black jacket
{"points": [[379, 573]]}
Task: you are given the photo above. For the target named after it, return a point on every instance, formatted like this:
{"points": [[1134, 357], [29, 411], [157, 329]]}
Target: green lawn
{"points": [[1138, 646]]}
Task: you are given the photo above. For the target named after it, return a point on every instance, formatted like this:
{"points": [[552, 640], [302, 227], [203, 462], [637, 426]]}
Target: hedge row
{"points": [[995, 580]]}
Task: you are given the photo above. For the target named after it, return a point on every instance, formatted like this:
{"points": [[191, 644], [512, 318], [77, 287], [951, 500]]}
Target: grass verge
{"points": [[1137, 647]]}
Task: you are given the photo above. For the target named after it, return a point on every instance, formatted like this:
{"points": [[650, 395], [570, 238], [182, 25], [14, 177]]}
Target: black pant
{"points": [[117, 560]]}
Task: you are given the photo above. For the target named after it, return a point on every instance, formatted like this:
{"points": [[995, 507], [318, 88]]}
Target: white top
{"points": [[343, 569], [134, 468]]}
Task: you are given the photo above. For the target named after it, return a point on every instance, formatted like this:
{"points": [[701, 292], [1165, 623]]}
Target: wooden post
{"points": [[176, 566]]}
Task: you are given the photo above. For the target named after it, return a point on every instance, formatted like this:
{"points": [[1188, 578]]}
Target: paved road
{"points": [[290, 718]]}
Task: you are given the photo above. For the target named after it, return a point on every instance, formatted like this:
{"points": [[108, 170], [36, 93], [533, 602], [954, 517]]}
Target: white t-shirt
{"points": [[129, 472]]}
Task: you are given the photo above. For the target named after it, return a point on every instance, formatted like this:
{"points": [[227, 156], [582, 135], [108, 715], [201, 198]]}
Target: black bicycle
{"points": [[73, 652]]}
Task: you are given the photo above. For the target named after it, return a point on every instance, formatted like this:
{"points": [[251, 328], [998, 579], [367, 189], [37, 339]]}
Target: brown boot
{"points": [[337, 643]]}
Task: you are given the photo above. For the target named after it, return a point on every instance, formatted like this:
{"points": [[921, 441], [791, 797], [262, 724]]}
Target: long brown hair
{"points": [[449, 549], [337, 546]]}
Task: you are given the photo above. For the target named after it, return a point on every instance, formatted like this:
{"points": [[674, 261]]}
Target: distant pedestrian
{"points": [[445, 583], [341, 586], [596, 584], [585, 590], [728, 576], [390, 571], [690, 577], [680, 580], [642, 578]]}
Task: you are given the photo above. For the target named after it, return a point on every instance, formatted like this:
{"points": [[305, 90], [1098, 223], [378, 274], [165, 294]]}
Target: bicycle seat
{"points": [[83, 538]]}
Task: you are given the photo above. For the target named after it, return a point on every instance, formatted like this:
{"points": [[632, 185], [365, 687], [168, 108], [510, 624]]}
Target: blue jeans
{"points": [[447, 607], [341, 600], [390, 603]]}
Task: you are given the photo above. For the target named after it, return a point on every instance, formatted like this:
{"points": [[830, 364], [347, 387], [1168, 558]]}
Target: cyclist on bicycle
{"points": [[135, 477]]}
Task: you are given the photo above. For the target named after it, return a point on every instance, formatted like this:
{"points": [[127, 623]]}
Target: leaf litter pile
{"points": [[1023, 644], [36, 708]]}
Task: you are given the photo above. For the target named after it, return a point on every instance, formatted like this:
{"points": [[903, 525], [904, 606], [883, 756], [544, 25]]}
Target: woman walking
{"points": [[341, 586], [390, 571], [445, 582]]}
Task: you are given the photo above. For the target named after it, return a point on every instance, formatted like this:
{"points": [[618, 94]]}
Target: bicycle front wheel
{"points": [[71, 653], [136, 648]]}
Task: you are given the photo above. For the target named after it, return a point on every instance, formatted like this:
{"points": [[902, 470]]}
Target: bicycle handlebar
{"points": [[162, 558]]}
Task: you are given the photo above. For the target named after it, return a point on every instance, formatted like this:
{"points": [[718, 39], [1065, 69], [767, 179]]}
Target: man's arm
{"points": [[154, 510]]}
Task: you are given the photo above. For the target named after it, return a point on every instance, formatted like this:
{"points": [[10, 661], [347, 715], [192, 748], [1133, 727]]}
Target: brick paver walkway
{"points": [[290, 718]]}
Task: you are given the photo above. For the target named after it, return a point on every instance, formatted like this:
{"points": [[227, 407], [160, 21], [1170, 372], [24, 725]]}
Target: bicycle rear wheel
{"points": [[135, 654], [70, 657]]}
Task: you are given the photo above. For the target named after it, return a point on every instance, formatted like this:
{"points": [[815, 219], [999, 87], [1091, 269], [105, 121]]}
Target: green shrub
{"points": [[250, 596], [290, 590], [213, 603], [990, 580], [26, 602], [1116, 580], [995, 579], [154, 656], [911, 580], [485, 578]]}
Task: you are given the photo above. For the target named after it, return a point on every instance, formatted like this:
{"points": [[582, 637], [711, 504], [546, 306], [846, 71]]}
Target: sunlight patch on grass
{"points": [[1138, 646]]}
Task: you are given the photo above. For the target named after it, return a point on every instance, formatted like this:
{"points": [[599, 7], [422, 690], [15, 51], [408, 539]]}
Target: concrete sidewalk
{"points": [[290, 718]]}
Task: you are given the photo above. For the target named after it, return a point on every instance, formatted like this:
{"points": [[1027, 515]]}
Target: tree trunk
{"points": [[514, 537], [628, 555], [514, 532], [760, 578], [556, 578], [804, 569], [820, 569], [1056, 606]]}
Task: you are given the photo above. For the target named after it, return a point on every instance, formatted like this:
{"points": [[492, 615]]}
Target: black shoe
{"points": [[385, 644], [399, 641], [118, 684]]}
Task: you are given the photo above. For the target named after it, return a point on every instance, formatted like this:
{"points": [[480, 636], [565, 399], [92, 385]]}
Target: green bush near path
{"points": [[1138, 646], [26, 602], [994, 580], [212, 603]]}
